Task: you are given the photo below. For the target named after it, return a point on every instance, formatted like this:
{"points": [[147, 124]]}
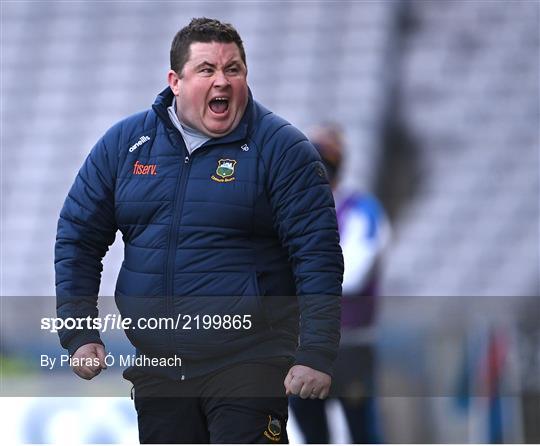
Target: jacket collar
{"points": [[165, 98]]}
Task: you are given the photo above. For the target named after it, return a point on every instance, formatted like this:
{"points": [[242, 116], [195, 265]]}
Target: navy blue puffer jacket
{"points": [[245, 225]]}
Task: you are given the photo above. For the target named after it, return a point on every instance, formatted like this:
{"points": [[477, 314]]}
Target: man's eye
{"points": [[233, 69], [206, 70]]}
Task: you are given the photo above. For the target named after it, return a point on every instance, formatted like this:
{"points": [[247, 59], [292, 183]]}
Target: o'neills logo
{"points": [[139, 143], [144, 169]]}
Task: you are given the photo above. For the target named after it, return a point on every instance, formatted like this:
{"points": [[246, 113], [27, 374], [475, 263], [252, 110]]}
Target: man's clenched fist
{"points": [[307, 382], [89, 351]]}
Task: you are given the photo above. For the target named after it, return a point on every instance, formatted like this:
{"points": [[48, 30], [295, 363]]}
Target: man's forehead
{"points": [[213, 52]]}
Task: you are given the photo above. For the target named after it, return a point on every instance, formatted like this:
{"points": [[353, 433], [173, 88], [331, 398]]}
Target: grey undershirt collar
{"points": [[192, 137]]}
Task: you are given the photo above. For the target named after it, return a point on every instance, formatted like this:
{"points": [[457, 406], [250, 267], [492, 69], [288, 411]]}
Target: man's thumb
{"points": [[100, 353]]}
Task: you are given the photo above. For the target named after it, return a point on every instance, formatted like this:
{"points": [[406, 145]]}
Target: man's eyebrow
{"points": [[205, 63]]}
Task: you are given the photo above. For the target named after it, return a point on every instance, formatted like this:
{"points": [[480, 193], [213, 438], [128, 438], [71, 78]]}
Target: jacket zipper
{"points": [[173, 239], [173, 232]]}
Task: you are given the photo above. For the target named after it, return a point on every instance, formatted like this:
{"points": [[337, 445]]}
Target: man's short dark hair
{"points": [[203, 30]]}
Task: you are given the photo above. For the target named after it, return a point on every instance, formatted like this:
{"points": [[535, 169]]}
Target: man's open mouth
{"points": [[219, 105]]}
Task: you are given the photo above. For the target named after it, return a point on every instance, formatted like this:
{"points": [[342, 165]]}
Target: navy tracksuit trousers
{"points": [[245, 403]]}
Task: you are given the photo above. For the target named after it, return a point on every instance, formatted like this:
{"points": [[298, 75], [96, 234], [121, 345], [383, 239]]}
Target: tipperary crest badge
{"points": [[225, 171], [273, 431]]}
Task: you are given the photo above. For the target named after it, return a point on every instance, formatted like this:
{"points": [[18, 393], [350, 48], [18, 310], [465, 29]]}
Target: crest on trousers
{"points": [[225, 171], [273, 430]]}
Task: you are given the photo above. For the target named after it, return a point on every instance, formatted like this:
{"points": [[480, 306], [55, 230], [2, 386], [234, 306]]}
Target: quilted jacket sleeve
{"points": [[86, 229], [305, 218]]}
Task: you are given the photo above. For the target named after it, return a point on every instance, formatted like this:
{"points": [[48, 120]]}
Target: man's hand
{"points": [[90, 359], [307, 383]]}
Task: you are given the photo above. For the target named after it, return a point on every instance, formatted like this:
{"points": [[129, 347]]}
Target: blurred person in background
{"points": [[225, 211], [364, 232]]}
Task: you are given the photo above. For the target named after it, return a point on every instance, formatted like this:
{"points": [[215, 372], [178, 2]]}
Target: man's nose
{"points": [[221, 80]]}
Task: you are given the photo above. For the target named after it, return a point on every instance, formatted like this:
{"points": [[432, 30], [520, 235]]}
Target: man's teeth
{"points": [[219, 105]]}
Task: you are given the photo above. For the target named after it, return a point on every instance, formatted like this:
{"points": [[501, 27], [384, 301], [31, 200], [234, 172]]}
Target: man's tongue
{"points": [[219, 106]]}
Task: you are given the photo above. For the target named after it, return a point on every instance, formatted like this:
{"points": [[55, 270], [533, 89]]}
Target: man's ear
{"points": [[174, 82]]}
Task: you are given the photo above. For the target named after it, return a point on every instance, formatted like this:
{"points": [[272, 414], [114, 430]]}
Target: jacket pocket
{"points": [[259, 295]]}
